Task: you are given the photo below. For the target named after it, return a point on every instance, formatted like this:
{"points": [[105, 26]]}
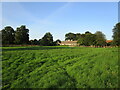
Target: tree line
{"points": [[96, 39], [21, 36], [87, 39]]}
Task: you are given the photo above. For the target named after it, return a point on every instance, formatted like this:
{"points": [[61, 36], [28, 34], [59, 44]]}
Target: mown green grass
{"points": [[59, 67]]}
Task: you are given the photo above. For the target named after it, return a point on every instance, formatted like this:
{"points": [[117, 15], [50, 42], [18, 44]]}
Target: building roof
{"points": [[108, 41]]}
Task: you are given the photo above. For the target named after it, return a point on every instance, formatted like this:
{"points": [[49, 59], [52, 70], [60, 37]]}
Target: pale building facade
{"points": [[70, 43]]}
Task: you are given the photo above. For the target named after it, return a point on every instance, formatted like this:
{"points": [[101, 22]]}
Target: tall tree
{"points": [[87, 39], [70, 36], [22, 35], [77, 35], [116, 34], [47, 39], [100, 39], [8, 35], [80, 41]]}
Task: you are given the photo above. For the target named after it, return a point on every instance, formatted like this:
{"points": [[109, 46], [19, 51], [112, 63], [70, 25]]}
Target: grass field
{"points": [[59, 67]]}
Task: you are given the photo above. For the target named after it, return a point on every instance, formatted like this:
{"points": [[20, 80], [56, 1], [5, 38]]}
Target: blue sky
{"points": [[60, 18]]}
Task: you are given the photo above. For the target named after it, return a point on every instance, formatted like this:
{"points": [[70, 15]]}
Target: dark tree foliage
{"points": [[77, 36], [57, 42], [86, 39], [80, 41], [116, 34], [87, 32], [89, 39], [22, 35], [100, 39], [8, 35], [47, 40], [109, 43], [70, 36], [35, 42], [0, 38]]}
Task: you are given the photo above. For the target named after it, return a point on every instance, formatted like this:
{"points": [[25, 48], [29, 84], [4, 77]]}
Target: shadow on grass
{"points": [[33, 48]]}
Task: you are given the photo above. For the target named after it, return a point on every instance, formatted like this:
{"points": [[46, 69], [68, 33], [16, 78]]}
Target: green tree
{"points": [[86, 39], [31, 42], [87, 32], [116, 34], [57, 42], [8, 35], [34, 42], [22, 35], [81, 41], [0, 38], [70, 36], [100, 39], [77, 36], [47, 40], [89, 39]]}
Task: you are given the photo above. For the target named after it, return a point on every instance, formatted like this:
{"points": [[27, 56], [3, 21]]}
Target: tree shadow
{"points": [[34, 48]]}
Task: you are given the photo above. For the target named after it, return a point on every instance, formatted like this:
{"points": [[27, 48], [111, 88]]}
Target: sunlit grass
{"points": [[59, 67]]}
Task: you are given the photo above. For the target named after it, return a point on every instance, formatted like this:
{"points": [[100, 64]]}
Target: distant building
{"points": [[109, 41], [74, 43], [70, 43]]}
